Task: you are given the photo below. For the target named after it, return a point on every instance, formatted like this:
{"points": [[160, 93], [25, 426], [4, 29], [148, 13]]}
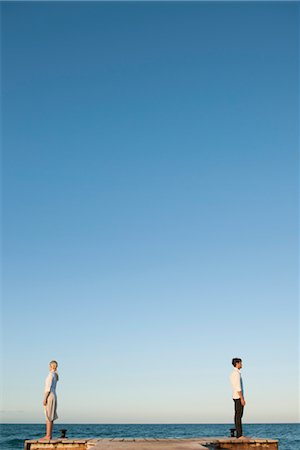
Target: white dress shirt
{"points": [[236, 383], [50, 383]]}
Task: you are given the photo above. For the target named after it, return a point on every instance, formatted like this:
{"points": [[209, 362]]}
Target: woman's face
{"points": [[53, 366]]}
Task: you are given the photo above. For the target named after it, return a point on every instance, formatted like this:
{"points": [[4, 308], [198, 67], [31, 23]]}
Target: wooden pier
{"points": [[153, 444]]}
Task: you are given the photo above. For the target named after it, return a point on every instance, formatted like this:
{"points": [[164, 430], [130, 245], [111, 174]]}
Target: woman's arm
{"points": [[48, 384], [46, 398]]}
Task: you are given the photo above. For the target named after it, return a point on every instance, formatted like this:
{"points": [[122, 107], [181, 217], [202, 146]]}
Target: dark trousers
{"points": [[238, 414]]}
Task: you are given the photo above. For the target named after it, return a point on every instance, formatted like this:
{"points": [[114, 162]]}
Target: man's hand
{"points": [[243, 401]]}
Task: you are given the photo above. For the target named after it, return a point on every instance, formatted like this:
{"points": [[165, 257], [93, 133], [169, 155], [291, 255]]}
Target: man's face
{"points": [[239, 365]]}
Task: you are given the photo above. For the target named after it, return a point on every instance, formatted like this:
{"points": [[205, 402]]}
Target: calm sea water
{"points": [[12, 436]]}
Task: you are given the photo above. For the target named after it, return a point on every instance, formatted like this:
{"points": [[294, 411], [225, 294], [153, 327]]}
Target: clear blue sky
{"points": [[150, 202]]}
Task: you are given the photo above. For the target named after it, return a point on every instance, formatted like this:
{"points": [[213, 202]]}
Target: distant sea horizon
{"points": [[148, 423], [13, 435]]}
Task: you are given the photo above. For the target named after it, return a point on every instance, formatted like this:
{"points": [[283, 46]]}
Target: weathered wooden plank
{"points": [[153, 444]]}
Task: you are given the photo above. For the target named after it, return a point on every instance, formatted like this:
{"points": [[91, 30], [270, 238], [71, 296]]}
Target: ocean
{"points": [[12, 436]]}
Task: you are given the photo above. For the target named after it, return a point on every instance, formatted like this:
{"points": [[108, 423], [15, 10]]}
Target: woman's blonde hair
{"points": [[54, 363]]}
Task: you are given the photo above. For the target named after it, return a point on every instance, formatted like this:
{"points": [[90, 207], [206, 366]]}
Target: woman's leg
{"points": [[49, 429]]}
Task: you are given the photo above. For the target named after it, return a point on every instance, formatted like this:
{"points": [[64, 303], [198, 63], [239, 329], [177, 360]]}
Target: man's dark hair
{"points": [[235, 361]]}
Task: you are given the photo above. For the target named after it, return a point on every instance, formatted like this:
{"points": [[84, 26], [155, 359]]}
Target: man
{"points": [[237, 395]]}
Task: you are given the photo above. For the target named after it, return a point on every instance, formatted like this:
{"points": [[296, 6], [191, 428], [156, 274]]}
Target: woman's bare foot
{"points": [[243, 438], [45, 438]]}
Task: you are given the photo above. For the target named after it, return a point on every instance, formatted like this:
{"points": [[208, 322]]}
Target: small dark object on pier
{"points": [[232, 432], [63, 433]]}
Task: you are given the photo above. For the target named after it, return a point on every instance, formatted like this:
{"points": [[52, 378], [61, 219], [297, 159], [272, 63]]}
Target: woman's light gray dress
{"points": [[51, 407]]}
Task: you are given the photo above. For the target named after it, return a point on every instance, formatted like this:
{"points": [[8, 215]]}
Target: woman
{"points": [[50, 399]]}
